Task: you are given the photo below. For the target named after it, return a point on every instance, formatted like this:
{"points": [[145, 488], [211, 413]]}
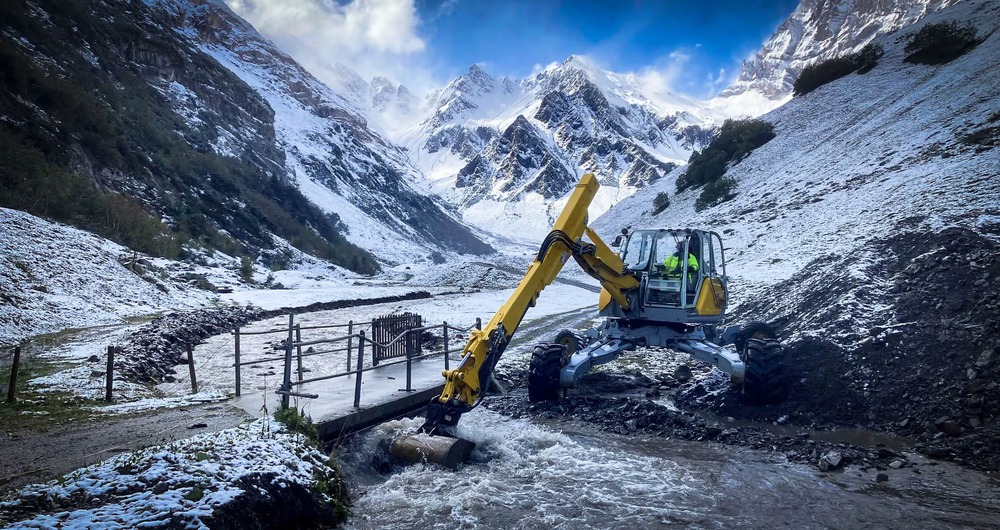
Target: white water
{"points": [[525, 475]]}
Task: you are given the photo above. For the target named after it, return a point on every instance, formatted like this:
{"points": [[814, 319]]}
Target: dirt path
{"points": [[38, 456]]}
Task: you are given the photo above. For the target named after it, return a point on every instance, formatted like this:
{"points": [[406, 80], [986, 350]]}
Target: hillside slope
{"points": [[89, 137], [329, 151], [867, 231], [169, 125], [815, 31]]}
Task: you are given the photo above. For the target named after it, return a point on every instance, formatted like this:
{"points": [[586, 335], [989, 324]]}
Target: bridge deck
{"points": [[383, 396]]}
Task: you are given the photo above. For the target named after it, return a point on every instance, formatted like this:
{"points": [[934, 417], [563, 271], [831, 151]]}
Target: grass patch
{"points": [[296, 421], [39, 411], [328, 480]]}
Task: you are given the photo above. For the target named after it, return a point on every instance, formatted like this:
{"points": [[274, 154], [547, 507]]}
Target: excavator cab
{"points": [[682, 274]]}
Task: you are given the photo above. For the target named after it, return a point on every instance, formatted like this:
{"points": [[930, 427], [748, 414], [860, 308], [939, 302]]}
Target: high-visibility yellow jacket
{"points": [[674, 267]]}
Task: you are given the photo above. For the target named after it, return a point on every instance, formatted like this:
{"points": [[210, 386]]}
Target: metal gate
{"points": [[389, 327]]}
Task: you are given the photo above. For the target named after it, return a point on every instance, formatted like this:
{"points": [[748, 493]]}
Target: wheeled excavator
{"points": [[647, 299]]}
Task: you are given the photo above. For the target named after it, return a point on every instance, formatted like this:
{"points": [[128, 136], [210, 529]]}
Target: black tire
{"points": [[547, 361], [753, 330], [570, 340], [765, 379]]}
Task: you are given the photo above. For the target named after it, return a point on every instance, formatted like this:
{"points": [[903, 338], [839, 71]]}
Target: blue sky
{"points": [[510, 37], [695, 46]]}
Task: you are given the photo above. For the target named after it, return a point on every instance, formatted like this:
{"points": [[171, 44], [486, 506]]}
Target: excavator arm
{"points": [[465, 385]]}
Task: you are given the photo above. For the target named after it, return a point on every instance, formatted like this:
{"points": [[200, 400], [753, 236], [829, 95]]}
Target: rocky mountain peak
{"points": [[477, 80], [383, 93]]}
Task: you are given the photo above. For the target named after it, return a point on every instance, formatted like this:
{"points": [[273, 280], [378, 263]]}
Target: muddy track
{"points": [[37, 456]]}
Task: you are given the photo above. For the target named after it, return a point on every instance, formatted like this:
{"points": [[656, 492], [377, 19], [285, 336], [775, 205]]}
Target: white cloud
{"points": [[683, 71], [372, 37], [719, 81], [387, 26], [663, 75]]}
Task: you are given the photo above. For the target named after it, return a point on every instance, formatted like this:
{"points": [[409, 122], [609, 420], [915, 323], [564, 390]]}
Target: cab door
{"points": [[713, 294]]}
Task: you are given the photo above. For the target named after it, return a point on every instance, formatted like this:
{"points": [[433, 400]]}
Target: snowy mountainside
{"points": [[859, 159], [511, 150], [815, 31], [47, 280], [331, 154]]}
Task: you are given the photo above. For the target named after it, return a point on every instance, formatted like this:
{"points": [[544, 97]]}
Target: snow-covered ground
{"points": [[177, 485], [54, 277]]}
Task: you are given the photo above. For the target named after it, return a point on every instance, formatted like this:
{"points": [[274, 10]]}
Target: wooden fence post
{"points": [[13, 375], [194, 382], [408, 345], [376, 337], [109, 382]]}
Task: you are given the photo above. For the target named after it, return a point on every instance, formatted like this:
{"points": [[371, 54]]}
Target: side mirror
{"points": [[617, 242]]}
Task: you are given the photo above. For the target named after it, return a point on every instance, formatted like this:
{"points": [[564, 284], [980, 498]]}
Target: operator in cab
{"points": [[674, 266]]}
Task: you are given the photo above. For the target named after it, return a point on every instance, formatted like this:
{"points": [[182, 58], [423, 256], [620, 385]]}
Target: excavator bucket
{"points": [[441, 450]]}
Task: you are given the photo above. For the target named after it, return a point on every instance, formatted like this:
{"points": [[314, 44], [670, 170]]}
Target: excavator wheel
{"points": [[570, 340], [547, 361], [765, 380], [753, 330]]}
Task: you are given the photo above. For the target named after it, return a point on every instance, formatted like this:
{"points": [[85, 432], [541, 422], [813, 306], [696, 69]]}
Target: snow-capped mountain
{"points": [[512, 149], [815, 31], [388, 106], [331, 154]]}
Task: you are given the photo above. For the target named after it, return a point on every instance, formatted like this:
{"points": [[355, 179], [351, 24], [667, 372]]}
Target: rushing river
{"points": [[564, 475]]}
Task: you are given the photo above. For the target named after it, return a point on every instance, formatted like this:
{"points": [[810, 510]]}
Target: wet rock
{"points": [[683, 374], [93, 359], [885, 452], [197, 425], [938, 452], [951, 428], [830, 461], [881, 477]]}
